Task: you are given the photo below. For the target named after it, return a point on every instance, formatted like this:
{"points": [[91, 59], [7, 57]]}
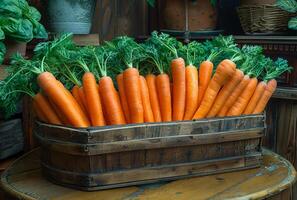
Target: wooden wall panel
{"points": [[282, 130], [117, 17]]}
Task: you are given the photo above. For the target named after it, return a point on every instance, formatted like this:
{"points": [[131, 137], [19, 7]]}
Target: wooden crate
{"points": [[117, 156]]}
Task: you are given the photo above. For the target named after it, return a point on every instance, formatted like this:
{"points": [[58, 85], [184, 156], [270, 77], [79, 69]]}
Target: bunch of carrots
{"points": [[125, 82]]}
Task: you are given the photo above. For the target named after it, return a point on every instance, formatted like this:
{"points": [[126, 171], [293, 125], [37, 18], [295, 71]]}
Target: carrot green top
{"points": [[275, 69]]}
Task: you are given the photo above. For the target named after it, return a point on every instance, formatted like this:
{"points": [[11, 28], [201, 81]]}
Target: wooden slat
{"points": [[285, 93], [161, 142], [86, 39], [147, 158], [106, 154], [149, 130], [153, 174]]}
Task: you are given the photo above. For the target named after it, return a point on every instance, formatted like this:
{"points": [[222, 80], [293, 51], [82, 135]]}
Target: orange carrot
{"points": [[225, 92], [255, 98], [224, 71], [242, 101], [111, 101], [205, 72], [120, 82], [83, 99], [164, 96], [63, 118], [39, 112], [76, 94], [151, 83], [234, 95], [191, 92], [179, 88], [63, 99], [269, 90], [93, 99], [147, 109], [133, 95], [49, 112]]}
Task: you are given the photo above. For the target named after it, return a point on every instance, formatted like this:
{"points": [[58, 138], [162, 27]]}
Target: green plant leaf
{"points": [[2, 51], [20, 30], [34, 13], [2, 35], [9, 8], [39, 31], [287, 5], [20, 21], [151, 2], [292, 24]]}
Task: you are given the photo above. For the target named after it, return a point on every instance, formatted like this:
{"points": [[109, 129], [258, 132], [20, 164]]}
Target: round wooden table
{"points": [[274, 179]]}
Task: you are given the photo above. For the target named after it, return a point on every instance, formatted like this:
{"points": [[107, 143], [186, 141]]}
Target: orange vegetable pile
{"points": [[160, 80]]}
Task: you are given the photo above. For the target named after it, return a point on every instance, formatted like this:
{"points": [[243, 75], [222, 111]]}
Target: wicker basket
{"points": [[263, 18]]}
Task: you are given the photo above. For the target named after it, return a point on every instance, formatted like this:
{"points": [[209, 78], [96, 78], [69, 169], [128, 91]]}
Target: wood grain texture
{"points": [[272, 181], [116, 17], [108, 157], [282, 131]]}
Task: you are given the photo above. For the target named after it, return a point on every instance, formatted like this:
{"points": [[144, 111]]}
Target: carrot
{"points": [[164, 96], [76, 94], [269, 90], [225, 93], [244, 98], [111, 101], [224, 71], [234, 95], [82, 97], [151, 83], [63, 118], [179, 88], [145, 97], [205, 72], [39, 112], [255, 98], [133, 95], [191, 91], [43, 104], [120, 82], [93, 99], [63, 99]]}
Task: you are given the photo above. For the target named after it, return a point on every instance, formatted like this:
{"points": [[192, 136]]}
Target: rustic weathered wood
{"points": [[107, 157], [116, 17], [23, 180], [149, 130], [28, 117], [285, 93], [151, 157]]}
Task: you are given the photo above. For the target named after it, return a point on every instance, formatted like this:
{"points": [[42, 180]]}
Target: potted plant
{"points": [[190, 15], [19, 24], [73, 16]]}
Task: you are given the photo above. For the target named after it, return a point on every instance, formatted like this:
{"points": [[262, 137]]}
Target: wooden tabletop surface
{"points": [[23, 180]]}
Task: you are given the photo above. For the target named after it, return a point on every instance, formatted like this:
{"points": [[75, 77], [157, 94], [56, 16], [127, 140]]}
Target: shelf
{"points": [[285, 93]]}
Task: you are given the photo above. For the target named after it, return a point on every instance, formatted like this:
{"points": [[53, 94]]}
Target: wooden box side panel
{"points": [[150, 130], [148, 158], [121, 178]]}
